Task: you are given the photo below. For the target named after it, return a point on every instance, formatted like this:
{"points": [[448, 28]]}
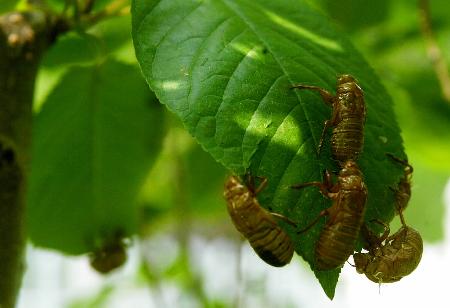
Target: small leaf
{"points": [[94, 141], [225, 68], [74, 48]]}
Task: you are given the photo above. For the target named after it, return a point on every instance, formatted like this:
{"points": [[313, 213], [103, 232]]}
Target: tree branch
{"points": [[434, 52], [24, 37]]}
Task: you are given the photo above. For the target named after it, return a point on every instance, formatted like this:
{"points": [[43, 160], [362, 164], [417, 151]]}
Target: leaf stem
{"points": [[114, 9], [88, 6], [440, 65]]}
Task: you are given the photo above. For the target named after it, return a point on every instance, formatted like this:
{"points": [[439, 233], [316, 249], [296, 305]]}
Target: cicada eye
{"points": [[345, 78]]}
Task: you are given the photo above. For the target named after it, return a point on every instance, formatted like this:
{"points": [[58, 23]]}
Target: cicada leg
{"points": [[285, 219], [402, 218], [250, 182], [325, 187], [328, 99], [262, 185], [374, 241], [311, 224], [326, 96], [408, 168]]}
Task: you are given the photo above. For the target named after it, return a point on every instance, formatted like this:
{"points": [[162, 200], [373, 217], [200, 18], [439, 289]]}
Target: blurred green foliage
{"points": [[94, 139], [59, 5], [7, 5]]}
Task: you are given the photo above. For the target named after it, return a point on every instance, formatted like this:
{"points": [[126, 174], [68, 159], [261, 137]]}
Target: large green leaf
{"points": [[225, 68], [110, 37], [94, 141]]}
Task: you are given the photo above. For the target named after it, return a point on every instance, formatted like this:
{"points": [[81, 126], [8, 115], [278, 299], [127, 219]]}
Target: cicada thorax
{"points": [[338, 237], [347, 139], [392, 260], [348, 118], [256, 224]]}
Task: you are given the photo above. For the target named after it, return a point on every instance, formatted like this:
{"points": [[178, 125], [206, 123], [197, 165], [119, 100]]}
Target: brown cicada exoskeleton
{"points": [[338, 238], [348, 118], [258, 225], [110, 256], [403, 190], [390, 258]]}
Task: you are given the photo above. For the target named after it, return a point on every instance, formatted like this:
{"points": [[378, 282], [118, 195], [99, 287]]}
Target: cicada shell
{"points": [[257, 225], [348, 118], [110, 256], [392, 260], [403, 189], [340, 233]]}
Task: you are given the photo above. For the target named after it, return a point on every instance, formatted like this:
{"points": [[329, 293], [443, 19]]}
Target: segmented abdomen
{"points": [[269, 241], [408, 247], [338, 238], [402, 195], [397, 259], [347, 140]]}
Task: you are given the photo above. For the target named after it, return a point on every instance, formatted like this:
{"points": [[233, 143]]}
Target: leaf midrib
{"points": [[95, 139], [249, 25]]}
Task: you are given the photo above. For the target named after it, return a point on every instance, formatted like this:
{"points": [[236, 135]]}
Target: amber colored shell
{"points": [[270, 242]]}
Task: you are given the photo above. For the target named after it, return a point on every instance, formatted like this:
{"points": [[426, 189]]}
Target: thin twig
{"points": [[114, 9], [434, 52], [88, 6], [24, 37]]}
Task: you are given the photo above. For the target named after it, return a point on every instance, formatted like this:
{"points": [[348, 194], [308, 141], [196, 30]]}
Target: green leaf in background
{"points": [[426, 210], [355, 15], [398, 50], [88, 47], [94, 141], [110, 37], [74, 48], [225, 68], [58, 5], [199, 175], [7, 5]]}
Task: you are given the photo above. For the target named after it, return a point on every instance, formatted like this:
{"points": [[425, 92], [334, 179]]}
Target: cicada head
{"points": [[348, 84], [351, 177], [346, 78], [361, 261]]}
